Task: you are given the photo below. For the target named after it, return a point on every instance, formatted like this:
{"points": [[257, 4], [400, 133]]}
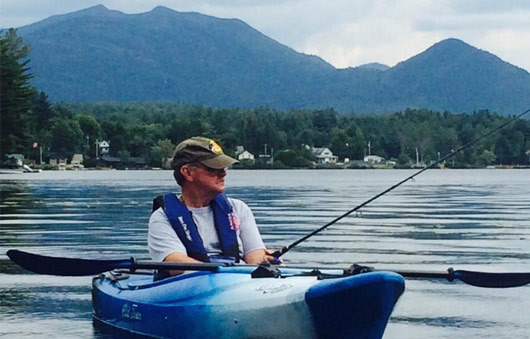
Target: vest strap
{"points": [[181, 220]]}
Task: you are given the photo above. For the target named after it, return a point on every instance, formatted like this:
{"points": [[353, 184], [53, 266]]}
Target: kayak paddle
{"points": [[474, 278], [81, 267], [78, 267]]}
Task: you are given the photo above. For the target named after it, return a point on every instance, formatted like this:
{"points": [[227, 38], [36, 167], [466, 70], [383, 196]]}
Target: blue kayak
{"points": [[230, 303]]}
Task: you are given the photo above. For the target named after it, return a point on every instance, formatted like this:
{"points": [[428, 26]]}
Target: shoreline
{"points": [[10, 171]]}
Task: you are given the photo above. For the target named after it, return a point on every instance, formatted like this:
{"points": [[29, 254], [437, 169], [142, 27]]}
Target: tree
{"points": [[509, 147], [162, 152], [91, 130], [67, 136], [292, 158], [15, 93], [486, 158], [42, 110]]}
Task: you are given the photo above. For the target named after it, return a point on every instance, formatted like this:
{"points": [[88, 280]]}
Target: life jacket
{"points": [[182, 222]]}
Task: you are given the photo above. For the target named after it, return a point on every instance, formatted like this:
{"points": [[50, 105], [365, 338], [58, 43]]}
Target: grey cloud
{"points": [[485, 21], [487, 6]]}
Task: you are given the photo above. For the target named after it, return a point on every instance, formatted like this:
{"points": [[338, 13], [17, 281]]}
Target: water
{"points": [[468, 219]]}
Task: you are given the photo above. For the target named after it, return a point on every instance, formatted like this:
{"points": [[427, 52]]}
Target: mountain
{"points": [[454, 76], [99, 54], [163, 55], [374, 65]]}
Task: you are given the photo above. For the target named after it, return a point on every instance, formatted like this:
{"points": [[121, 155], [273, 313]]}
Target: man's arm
{"points": [[258, 256], [179, 257]]}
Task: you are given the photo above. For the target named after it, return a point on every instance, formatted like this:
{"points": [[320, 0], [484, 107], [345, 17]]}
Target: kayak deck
{"points": [[232, 304]]}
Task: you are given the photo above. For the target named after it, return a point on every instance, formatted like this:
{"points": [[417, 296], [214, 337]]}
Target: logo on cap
{"points": [[215, 148]]}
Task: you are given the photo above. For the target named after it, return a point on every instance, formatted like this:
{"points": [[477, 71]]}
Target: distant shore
{"points": [[37, 170]]}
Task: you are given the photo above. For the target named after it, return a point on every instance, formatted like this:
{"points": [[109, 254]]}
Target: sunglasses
{"points": [[216, 171]]}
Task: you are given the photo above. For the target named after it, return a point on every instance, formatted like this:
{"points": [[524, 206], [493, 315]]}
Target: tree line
{"points": [[151, 130]]}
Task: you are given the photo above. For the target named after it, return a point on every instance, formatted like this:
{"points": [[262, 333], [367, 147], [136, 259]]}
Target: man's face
{"points": [[208, 179]]}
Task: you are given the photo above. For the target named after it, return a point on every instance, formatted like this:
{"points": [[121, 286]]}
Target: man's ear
{"points": [[186, 173]]}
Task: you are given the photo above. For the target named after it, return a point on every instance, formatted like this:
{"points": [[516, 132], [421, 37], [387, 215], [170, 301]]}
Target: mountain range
{"points": [[99, 54]]}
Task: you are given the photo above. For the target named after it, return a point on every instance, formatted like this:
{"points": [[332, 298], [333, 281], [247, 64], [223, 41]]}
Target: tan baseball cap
{"points": [[203, 150]]}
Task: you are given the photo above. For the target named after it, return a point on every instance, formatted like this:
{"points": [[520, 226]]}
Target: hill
{"points": [[99, 54]]}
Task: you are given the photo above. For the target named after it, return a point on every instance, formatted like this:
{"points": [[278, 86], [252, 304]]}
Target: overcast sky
{"points": [[343, 32]]}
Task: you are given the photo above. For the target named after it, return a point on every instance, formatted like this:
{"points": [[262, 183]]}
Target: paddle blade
{"points": [[65, 266], [485, 279]]}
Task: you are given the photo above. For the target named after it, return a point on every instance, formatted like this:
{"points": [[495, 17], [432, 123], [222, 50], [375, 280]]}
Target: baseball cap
{"points": [[203, 150]]}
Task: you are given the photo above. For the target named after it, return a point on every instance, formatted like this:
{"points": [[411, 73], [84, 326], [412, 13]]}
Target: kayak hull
{"points": [[232, 304]]}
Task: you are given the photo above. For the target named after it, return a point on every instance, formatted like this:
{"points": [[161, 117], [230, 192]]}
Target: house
{"points": [[56, 159], [14, 160], [323, 155], [245, 156], [77, 161], [374, 159], [103, 148], [118, 162]]}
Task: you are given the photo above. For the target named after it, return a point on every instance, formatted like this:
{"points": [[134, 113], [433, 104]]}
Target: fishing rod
{"points": [[285, 249]]}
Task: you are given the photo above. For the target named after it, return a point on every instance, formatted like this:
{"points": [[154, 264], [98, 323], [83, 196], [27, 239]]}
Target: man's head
{"points": [[199, 151]]}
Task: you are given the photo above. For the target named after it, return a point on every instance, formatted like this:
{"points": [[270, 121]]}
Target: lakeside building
{"points": [[13, 160], [244, 156], [373, 159], [323, 155], [103, 148], [77, 161], [56, 159]]}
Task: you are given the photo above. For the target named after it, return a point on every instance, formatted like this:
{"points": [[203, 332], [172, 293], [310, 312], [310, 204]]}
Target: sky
{"points": [[345, 33]]}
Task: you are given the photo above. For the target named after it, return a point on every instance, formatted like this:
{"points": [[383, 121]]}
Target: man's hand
{"points": [[261, 255]]}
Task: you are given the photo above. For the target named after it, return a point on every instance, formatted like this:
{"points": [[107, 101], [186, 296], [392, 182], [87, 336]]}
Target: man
{"points": [[203, 223]]}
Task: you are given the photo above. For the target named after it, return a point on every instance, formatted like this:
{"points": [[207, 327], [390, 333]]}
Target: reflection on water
{"points": [[469, 219]]}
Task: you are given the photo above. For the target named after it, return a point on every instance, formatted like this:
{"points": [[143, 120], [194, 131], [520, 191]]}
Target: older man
{"points": [[203, 224]]}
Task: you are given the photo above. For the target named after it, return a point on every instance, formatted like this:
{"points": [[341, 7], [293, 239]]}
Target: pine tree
{"points": [[15, 93]]}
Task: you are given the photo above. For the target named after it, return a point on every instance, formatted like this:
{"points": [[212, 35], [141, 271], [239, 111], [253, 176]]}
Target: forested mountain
{"points": [[163, 55]]}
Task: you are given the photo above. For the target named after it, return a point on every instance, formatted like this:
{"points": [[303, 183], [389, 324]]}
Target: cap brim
{"points": [[220, 161]]}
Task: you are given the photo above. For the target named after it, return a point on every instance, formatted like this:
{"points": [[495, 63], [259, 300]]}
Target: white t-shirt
{"points": [[162, 239]]}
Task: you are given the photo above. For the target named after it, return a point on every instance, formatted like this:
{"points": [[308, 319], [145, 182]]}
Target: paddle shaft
{"points": [[83, 267], [285, 249]]}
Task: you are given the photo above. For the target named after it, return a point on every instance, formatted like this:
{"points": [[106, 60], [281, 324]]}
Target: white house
{"points": [[245, 156], [324, 155], [374, 159], [103, 148]]}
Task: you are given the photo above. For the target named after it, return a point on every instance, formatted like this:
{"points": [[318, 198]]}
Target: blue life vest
{"points": [[182, 222]]}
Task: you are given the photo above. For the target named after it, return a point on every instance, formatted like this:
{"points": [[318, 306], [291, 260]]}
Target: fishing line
{"points": [[285, 249]]}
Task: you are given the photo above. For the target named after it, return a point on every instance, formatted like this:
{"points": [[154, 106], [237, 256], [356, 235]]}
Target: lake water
{"points": [[467, 219]]}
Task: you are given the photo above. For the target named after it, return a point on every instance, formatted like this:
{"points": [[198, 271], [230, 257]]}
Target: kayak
{"points": [[222, 300], [231, 303]]}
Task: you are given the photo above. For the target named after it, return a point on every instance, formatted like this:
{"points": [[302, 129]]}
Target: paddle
{"points": [[79, 267], [479, 279]]}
